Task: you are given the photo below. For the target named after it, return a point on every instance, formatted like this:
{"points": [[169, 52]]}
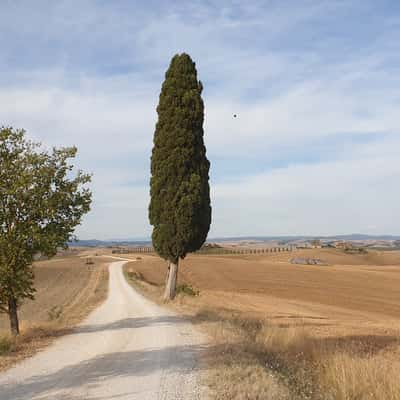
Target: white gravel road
{"points": [[128, 348]]}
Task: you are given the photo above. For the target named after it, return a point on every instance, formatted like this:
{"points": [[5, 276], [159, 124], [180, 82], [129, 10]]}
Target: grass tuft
{"points": [[187, 289], [135, 276], [55, 313], [7, 344]]}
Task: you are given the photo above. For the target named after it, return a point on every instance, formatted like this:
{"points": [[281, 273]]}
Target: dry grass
{"points": [[279, 346], [348, 376], [254, 359], [67, 291]]}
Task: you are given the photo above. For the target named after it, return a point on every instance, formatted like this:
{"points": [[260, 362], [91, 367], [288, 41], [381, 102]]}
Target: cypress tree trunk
{"points": [[170, 288], [13, 316]]}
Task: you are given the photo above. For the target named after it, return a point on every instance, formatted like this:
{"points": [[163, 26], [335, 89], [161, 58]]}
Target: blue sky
{"points": [[315, 84]]}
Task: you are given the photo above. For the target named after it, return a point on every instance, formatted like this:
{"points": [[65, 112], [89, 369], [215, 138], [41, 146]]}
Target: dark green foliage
{"points": [[180, 210]]}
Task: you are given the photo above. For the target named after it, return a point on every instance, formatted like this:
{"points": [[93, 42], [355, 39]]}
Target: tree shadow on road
{"points": [[92, 372], [140, 322], [132, 323]]}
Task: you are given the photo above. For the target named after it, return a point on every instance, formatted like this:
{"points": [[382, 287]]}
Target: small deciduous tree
{"points": [[179, 210], [41, 203]]}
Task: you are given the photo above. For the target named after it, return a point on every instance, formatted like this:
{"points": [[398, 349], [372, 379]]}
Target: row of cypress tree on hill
{"points": [[179, 210]]}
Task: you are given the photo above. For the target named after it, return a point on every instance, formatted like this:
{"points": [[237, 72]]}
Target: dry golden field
{"points": [[285, 331], [353, 288], [67, 290]]}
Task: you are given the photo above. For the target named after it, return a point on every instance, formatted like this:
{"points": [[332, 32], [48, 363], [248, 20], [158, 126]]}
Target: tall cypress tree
{"points": [[179, 210]]}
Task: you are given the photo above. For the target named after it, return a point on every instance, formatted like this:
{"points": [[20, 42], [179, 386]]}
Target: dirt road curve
{"points": [[129, 348]]}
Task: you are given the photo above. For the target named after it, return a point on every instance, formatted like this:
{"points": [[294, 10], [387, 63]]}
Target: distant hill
{"points": [[359, 236], [147, 242], [353, 236], [107, 243]]}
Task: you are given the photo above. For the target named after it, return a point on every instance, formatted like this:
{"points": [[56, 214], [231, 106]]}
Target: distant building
{"points": [[316, 244]]}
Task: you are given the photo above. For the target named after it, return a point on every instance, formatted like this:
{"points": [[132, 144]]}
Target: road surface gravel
{"points": [[128, 348]]}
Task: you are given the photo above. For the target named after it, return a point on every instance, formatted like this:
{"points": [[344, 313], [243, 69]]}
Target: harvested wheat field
{"points": [[288, 331], [67, 290], [351, 287]]}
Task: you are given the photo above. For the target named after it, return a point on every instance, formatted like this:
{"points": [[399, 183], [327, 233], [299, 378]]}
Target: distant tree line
{"points": [[209, 250]]}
